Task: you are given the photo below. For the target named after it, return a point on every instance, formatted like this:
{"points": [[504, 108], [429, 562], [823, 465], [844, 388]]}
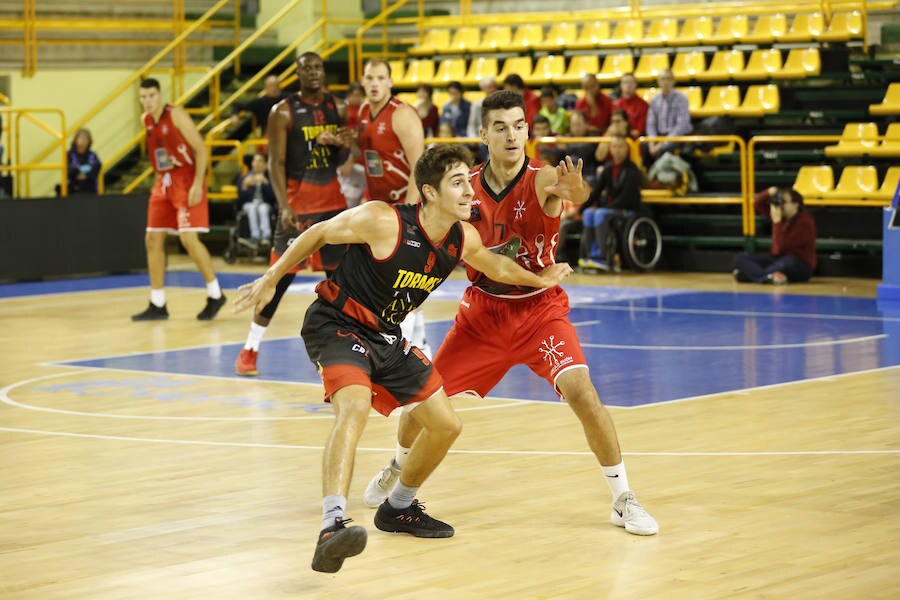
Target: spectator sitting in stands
{"points": [[634, 105], [618, 125], [586, 151], [261, 106], [83, 164], [617, 191], [669, 114], [542, 151], [558, 117], [456, 111], [595, 104], [257, 199], [354, 99], [428, 112], [793, 254], [515, 83]]}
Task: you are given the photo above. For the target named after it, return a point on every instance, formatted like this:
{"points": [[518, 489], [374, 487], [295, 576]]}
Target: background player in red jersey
{"points": [[351, 332], [178, 200], [516, 212], [307, 143]]}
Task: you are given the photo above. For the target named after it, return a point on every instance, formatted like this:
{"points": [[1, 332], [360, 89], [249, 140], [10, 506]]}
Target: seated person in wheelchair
{"points": [[618, 191], [256, 200]]}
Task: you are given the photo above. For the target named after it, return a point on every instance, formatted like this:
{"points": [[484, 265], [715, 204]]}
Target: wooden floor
{"points": [[163, 486]]}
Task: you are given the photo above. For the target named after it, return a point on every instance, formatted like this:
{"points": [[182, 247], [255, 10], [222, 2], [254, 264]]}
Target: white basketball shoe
{"points": [[627, 512], [381, 485]]}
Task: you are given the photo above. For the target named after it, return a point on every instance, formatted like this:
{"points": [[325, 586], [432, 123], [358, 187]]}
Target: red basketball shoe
{"points": [[246, 363]]}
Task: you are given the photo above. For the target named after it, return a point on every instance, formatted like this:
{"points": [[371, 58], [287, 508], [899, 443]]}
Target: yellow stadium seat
{"points": [[418, 71], [474, 95], [465, 39], [888, 186], [398, 69], [843, 26], [650, 65], [435, 41], [591, 35], [813, 181], [694, 95], [695, 31], [646, 93], [720, 100], [578, 67], [408, 97], [760, 100], [525, 38], [766, 30], [890, 145], [687, 65], [450, 69], [495, 37], [560, 37], [730, 30], [804, 28], [857, 139], [659, 33], [626, 33], [762, 64], [726, 64], [440, 98], [614, 66], [891, 103], [479, 68], [547, 69], [520, 65], [800, 63], [854, 184]]}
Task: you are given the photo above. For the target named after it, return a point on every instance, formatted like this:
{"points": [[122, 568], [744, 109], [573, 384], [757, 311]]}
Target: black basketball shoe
{"points": [[412, 520], [152, 313], [211, 309], [337, 543]]}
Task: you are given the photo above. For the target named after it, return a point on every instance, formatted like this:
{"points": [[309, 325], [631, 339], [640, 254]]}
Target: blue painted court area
{"points": [[644, 346]]}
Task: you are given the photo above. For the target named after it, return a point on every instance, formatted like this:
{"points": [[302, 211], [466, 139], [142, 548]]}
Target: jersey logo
{"points": [[413, 243], [519, 209], [374, 166], [475, 214], [429, 262], [452, 250], [550, 351], [381, 128]]}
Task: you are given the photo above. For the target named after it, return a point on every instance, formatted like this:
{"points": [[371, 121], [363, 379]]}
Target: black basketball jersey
{"points": [[380, 293], [305, 160]]}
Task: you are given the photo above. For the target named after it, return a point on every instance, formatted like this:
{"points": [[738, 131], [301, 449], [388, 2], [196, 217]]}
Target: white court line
{"points": [[581, 323], [452, 451], [5, 399], [734, 313], [867, 338]]}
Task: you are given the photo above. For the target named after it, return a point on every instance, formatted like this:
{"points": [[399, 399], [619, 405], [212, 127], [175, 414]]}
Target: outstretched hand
{"points": [[257, 293], [569, 182], [554, 274], [289, 219]]}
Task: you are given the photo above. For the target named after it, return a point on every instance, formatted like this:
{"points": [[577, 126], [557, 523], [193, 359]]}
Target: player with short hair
{"points": [[398, 255], [516, 211]]}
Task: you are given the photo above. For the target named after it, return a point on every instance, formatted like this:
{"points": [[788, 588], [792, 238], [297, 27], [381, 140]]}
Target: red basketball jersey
{"points": [[513, 223], [387, 170], [166, 146]]}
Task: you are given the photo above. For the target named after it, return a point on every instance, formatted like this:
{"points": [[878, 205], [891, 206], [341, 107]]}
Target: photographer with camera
{"points": [[793, 254]]}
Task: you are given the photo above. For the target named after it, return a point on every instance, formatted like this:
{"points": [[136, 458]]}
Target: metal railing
{"points": [[23, 170]]}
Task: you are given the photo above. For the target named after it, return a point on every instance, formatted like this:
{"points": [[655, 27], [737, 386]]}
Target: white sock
{"points": [[158, 297], [616, 479], [332, 508], [402, 453], [255, 336], [402, 495], [213, 290]]}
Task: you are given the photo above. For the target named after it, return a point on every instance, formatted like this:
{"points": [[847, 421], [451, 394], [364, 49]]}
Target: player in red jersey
{"points": [[178, 201], [398, 255], [391, 139], [516, 211]]}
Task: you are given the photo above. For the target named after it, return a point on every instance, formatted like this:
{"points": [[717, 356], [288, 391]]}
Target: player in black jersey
{"points": [[398, 255], [307, 143]]}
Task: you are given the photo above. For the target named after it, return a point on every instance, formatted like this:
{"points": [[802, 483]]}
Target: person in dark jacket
{"points": [[793, 254], [261, 106], [83, 164], [257, 200], [618, 191]]}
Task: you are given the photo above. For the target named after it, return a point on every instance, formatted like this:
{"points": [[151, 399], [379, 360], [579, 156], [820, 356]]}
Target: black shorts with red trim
{"points": [[348, 353], [326, 258]]}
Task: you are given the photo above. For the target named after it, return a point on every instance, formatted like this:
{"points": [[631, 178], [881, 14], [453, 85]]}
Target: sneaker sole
{"points": [[253, 373], [391, 527], [618, 521], [329, 557]]}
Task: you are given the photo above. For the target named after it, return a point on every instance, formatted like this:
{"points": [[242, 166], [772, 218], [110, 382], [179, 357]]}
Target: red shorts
{"points": [[168, 209], [491, 335]]}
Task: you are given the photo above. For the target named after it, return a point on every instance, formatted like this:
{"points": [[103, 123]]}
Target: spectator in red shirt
{"points": [[595, 104], [514, 83], [634, 105], [793, 254], [428, 112]]}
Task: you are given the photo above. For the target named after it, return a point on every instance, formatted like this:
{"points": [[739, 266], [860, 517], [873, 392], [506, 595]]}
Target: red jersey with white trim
{"points": [[166, 146], [387, 169], [513, 223]]}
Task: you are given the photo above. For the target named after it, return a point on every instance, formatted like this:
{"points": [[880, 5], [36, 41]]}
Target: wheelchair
{"points": [[635, 237], [239, 243]]}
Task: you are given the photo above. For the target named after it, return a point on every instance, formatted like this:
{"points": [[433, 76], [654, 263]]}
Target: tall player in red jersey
{"points": [[516, 211], [391, 140], [178, 201], [307, 143]]}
